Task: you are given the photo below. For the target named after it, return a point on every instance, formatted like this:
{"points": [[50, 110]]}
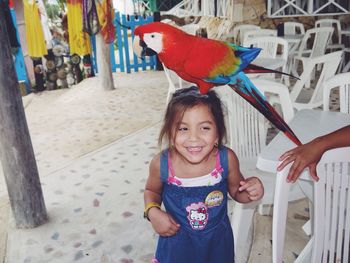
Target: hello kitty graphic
{"points": [[197, 215]]}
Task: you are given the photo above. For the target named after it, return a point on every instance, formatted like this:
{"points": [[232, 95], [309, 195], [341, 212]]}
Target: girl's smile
{"points": [[194, 149]]}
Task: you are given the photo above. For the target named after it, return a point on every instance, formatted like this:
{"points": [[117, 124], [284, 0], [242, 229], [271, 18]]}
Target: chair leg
{"points": [[265, 210], [285, 78], [279, 217], [306, 254], [168, 97], [307, 228], [346, 68], [242, 221]]}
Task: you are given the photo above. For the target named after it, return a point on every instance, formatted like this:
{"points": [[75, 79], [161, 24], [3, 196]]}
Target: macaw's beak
{"points": [[141, 49], [146, 51]]}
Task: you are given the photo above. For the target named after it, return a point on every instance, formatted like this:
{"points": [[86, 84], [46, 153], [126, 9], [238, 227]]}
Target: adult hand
{"points": [[307, 155]]}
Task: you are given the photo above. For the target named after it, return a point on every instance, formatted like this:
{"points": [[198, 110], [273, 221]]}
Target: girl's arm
{"points": [[154, 186], [240, 189], [161, 221]]}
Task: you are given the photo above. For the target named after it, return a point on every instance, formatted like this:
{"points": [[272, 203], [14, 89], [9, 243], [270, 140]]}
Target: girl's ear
{"points": [[172, 142], [216, 144]]}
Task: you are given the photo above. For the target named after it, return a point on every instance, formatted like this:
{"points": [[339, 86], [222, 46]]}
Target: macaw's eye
{"points": [[152, 36]]}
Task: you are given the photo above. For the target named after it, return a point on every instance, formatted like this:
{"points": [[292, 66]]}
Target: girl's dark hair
{"points": [[185, 99]]}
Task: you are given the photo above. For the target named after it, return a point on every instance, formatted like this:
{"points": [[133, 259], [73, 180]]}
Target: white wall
{"points": [[124, 6]]}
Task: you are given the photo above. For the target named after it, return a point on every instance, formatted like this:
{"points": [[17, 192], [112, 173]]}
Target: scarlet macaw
{"points": [[208, 63]]}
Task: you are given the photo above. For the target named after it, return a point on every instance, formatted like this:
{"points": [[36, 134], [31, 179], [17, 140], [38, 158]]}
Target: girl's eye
{"points": [[183, 129], [207, 128]]}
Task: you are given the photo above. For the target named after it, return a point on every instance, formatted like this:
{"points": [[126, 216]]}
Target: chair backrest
{"points": [[224, 29], [271, 46], [246, 127], [239, 30], [341, 81], [175, 82], [332, 208], [280, 93], [257, 33], [335, 23], [190, 28], [328, 65], [293, 28], [319, 38]]}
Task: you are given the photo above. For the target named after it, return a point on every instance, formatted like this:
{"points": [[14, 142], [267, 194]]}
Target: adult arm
{"points": [[309, 154]]}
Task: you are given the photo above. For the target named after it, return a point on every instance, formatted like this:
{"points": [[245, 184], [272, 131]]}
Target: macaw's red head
{"points": [[155, 38]]}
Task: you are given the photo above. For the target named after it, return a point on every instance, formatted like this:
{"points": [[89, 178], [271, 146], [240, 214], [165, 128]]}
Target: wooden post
{"points": [[104, 63], [16, 151]]}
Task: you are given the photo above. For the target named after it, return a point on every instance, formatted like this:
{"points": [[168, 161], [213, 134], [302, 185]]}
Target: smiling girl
{"points": [[192, 178]]}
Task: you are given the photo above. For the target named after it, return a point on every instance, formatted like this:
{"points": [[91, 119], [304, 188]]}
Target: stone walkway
{"points": [[95, 207], [85, 189]]}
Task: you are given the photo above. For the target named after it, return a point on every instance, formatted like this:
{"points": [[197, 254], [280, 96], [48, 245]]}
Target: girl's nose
{"points": [[193, 135]]}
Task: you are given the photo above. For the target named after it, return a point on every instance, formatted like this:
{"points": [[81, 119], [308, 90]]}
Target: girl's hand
{"points": [[253, 187], [162, 222]]}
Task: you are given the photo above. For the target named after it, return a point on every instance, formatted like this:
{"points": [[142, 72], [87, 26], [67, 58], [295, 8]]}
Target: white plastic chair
{"points": [[293, 33], [190, 28], [346, 64], [335, 23], [257, 33], [341, 81], [331, 209], [272, 47], [300, 95], [293, 28], [223, 29], [247, 135], [175, 82], [318, 39], [238, 31]]}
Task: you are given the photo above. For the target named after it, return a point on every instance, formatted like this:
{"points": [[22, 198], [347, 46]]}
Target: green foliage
{"points": [[53, 11], [55, 8], [62, 3]]}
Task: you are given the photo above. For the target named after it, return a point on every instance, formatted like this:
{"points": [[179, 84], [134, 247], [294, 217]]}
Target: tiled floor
{"points": [[93, 199], [95, 207]]}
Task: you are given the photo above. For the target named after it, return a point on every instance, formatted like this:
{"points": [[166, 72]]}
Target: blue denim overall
{"points": [[205, 235]]}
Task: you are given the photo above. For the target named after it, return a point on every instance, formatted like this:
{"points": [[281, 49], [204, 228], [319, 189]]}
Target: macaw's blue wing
{"points": [[241, 84], [245, 55]]}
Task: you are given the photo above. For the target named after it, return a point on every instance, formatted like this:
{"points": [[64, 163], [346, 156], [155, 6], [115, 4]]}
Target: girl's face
{"points": [[197, 134]]}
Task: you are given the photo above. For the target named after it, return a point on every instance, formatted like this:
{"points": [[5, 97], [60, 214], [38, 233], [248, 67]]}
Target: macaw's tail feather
{"points": [[254, 69], [246, 89]]}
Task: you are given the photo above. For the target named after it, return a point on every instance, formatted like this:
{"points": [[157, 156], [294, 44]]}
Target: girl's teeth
{"points": [[194, 149]]}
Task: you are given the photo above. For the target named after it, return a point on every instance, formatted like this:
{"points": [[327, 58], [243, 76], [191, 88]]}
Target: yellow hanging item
{"points": [[34, 31], [79, 41], [105, 12]]}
